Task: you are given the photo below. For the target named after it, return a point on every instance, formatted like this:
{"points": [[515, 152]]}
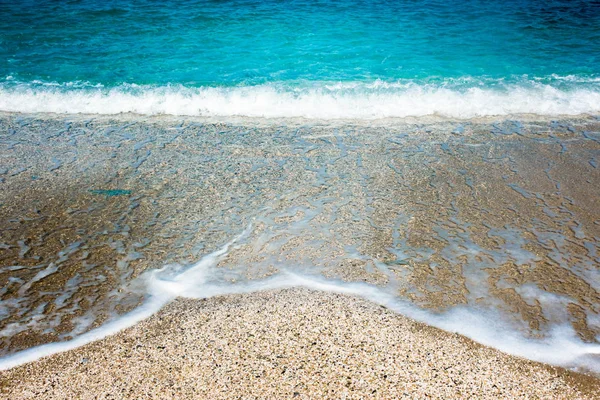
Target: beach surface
{"points": [[486, 227], [293, 343]]}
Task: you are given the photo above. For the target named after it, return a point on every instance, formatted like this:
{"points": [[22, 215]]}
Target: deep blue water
{"points": [[312, 58]]}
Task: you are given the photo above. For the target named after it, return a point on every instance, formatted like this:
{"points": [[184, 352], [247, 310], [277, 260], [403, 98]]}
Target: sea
{"points": [[440, 158], [314, 59]]}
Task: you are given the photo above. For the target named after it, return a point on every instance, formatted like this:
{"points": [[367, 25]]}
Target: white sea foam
{"points": [[202, 280], [316, 100]]}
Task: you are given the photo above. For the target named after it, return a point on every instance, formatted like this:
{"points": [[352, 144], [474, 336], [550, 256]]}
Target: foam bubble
{"points": [[320, 100]]}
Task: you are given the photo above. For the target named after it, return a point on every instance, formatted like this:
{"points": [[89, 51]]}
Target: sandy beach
{"points": [[293, 343]]}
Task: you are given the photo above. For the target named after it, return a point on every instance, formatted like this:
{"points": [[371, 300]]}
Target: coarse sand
{"points": [[288, 343]]}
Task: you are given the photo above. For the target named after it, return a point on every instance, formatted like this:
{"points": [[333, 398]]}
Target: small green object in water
{"points": [[404, 261], [111, 193]]}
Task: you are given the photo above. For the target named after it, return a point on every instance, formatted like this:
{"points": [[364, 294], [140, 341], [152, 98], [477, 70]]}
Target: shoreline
{"points": [[288, 343], [299, 121], [438, 217]]}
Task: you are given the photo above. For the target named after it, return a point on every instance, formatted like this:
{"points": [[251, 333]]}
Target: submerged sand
{"points": [[288, 343], [500, 215]]}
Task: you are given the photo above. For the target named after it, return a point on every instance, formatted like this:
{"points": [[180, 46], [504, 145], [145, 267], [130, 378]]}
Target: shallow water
{"points": [[485, 227]]}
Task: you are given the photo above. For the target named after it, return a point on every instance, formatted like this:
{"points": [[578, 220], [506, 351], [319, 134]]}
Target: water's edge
{"points": [[491, 212]]}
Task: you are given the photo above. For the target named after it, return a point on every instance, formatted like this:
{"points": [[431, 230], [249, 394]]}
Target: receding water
{"points": [[440, 158], [489, 228]]}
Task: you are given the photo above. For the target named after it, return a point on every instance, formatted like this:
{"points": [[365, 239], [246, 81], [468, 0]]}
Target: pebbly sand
{"points": [[284, 344]]}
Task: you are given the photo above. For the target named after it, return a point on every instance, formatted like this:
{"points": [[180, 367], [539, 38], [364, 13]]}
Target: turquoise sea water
{"points": [[301, 58]]}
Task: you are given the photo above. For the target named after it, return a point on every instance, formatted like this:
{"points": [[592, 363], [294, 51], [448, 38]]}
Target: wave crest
{"points": [[320, 100]]}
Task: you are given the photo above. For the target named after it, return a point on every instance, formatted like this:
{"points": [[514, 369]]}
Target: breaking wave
{"points": [[465, 98]]}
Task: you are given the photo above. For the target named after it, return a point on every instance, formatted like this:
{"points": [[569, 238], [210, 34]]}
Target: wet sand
{"points": [[292, 343]]}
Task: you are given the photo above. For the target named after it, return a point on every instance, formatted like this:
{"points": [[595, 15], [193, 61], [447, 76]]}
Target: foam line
{"points": [[146, 310], [151, 306], [319, 100], [561, 347]]}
